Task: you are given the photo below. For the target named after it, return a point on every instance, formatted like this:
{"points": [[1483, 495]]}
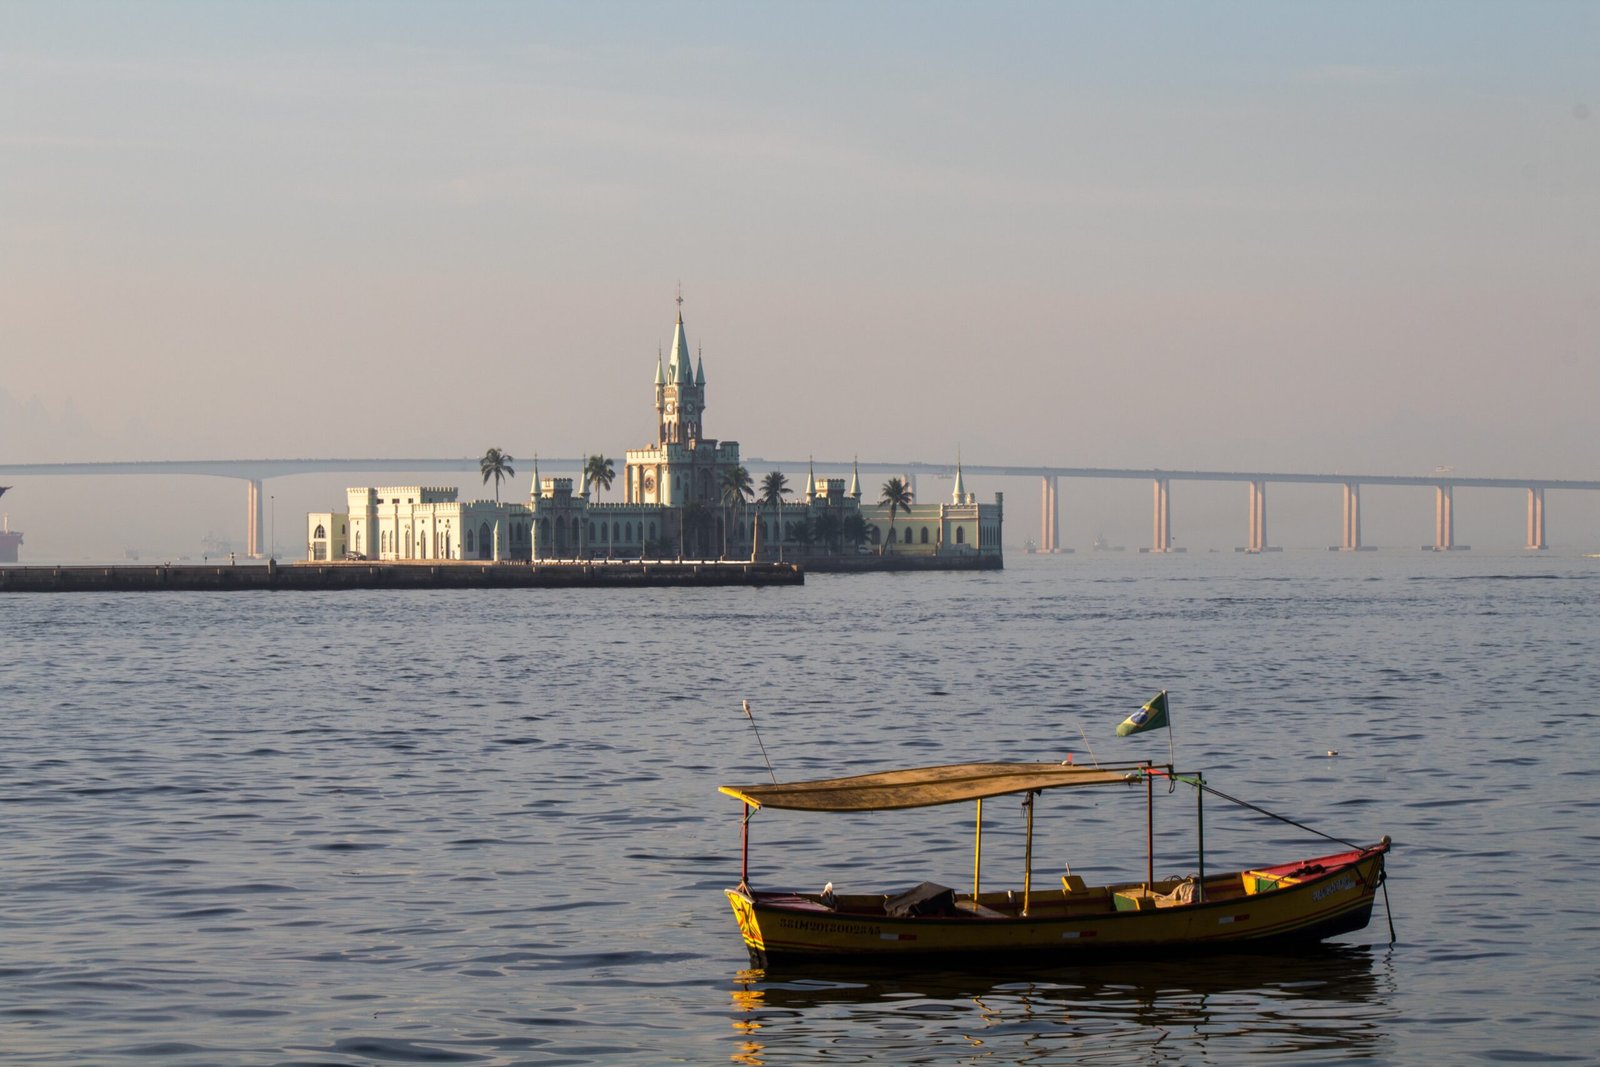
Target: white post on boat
{"points": [[1200, 818], [977, 852]]}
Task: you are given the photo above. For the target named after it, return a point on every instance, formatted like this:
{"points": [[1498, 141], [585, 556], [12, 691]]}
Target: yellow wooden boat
{"points": [[1284, 903]]}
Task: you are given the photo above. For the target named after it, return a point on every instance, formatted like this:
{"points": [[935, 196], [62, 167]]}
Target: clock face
{"points": [[649, 483], [672, 407]]}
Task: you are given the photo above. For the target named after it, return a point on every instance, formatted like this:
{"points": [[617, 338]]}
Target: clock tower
{"points": [[680, 392], [683, 466]]}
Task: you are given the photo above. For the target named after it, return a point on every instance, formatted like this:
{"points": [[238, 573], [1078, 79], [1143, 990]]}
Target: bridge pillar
{"points": [[252, 519], [1444, 519], [1050, 519], [1536, 540], [1161, 532], [1350, 538], [1258, 518]]}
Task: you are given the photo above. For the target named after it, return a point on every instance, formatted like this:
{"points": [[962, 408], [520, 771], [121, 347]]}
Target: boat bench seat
{"points": [[972, 907]]}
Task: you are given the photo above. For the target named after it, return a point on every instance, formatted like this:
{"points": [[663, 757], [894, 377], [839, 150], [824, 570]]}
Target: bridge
{"points": [[1443, 482]]}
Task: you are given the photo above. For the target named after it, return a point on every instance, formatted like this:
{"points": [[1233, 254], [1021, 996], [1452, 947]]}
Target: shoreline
{"points": [[455, 574]]}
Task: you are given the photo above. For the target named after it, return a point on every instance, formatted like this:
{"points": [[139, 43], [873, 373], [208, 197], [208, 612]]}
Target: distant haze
{"points": [[1295, 236]]}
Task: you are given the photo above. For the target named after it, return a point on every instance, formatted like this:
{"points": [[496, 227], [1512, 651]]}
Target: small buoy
{"points": [[1333, 752]]}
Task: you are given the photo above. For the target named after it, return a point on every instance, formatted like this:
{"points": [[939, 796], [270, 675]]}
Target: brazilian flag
{"points": [[1153, 716]]}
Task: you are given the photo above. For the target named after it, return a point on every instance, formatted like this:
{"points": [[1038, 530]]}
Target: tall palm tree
{"points": [[497, 465], [601, 471], [897, 494], [736, 490], [774, 487]]}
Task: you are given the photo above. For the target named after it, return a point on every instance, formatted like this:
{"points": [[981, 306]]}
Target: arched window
{"points": [[485, 541], [466, 540], [652, 531], [577, 532], [616, 531], [961, 535], [924, 535], [908, 535], [320, 532], [627, 531]]}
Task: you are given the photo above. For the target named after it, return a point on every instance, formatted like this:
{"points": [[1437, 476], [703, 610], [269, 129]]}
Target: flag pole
{"points": [[1172, 759]]}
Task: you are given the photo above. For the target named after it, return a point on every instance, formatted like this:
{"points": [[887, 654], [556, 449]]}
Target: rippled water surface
{"points": [[483, 827]]}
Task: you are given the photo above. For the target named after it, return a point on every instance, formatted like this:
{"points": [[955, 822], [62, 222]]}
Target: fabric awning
{"points": [[923, 787]]}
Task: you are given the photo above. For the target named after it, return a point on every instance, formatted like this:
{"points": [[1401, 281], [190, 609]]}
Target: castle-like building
{"points": [[675, 505]]}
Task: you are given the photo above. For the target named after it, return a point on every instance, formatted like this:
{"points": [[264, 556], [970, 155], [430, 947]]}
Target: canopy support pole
{"points": [[1149, 831], [1027, 855], [1200, 819], [744, 848], [977, 851]]}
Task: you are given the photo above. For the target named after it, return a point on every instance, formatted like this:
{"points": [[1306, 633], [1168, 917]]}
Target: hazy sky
{"points": [[1314, 236]]}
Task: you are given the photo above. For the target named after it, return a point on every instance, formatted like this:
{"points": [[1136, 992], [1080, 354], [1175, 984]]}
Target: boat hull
{"points": [[1263, 909]]}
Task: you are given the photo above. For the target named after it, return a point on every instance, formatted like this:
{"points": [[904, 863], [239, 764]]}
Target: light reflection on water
{"points": [[482, 827]]}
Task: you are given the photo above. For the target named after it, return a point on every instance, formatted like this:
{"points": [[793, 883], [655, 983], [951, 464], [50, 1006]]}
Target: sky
{"points": [[1312, 236]]}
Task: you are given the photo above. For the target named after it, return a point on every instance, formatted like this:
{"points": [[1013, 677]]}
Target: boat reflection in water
{"points": [[1333, 1001]]}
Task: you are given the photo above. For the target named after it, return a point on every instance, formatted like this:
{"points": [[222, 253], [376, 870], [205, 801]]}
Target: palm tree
{"points": [[854, 529], [828, 528], [897, 494], [805, 531], [497, 465], [736, 490], [774, 487], [600, 470]]}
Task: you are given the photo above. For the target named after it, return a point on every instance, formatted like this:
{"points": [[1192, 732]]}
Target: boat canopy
{"points": [[924, 787]]}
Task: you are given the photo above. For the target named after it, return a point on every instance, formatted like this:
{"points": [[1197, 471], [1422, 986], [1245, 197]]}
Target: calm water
{"points": [[482, 827]]}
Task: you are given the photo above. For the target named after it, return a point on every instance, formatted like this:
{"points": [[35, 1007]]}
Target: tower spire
{"points": [[959, 494], [855, 477]]}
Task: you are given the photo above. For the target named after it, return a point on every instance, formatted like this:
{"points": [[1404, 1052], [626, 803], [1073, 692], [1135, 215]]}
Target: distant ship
{"points": [[1102, 545]]}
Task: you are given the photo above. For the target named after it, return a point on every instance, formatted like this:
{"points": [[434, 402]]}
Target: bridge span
{"points": [[1444, 483]]}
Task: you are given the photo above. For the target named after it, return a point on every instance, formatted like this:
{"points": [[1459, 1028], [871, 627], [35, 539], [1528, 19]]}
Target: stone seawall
{"points": [[869, 564], [594, 574]]}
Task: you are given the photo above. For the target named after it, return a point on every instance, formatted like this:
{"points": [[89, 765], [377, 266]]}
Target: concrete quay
{"points": [[584, 574]]}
